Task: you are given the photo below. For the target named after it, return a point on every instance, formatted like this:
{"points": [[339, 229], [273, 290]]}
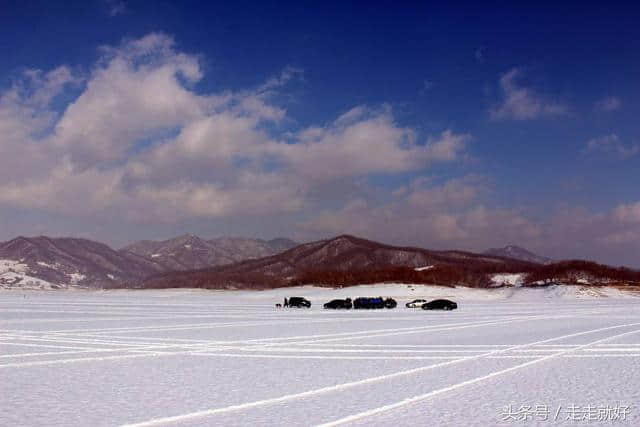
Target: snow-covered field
{"points": [[79, 358]]}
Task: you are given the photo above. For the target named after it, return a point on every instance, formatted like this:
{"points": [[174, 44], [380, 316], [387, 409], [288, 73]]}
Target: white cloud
{"points": [[521, 103], [455, 193], [363, 141], [608, 104], [140, 143], [24, 117], [134, 94], [611, 144], [627, 213]]}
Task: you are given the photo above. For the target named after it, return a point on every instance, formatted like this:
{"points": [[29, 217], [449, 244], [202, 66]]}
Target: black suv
{"points": [[339, 304], [299, 302], [440, 304], [372, 303]]}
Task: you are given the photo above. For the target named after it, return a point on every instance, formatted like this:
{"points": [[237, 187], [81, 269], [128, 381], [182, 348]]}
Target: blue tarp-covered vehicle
{"points": [[374, 302]]}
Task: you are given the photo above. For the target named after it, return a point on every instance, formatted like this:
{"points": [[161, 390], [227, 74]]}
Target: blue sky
{"points": [[446, 126]]}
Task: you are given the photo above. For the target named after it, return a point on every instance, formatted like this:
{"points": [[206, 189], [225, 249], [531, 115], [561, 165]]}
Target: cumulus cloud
{"points": [[363, 141], [139, 142], [135, 93], [611, 144], [522, 103], [608, 104], [25, 116]]}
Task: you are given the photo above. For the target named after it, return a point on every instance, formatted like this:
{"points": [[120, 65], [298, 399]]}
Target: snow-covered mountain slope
{"points": [[516, 252], [63, 262], [190, 252], [15, 274]]}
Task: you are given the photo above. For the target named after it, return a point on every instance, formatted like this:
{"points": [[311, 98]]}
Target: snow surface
{"points": [[12, 265], [15, 274], [193, 357], [76, 278], [11, 279], [508, 279], [51, 266]]}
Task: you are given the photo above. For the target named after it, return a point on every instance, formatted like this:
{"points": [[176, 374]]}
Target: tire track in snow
{"points": [[438, 328], [437, 392], [354, 335], [344, 386]]}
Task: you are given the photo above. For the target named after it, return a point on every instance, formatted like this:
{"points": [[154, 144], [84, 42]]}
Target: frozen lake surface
{"points": [[78, 358]]}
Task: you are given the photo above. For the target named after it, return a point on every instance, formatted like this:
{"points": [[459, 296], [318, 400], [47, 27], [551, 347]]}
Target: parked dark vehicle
{"points": [[373, 303], [440, 304], [416, 303], [299, 302], [337, 304]]}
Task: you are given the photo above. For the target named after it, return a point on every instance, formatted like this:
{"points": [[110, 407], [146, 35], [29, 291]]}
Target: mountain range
{"points": [[58, 262], [341, 259], [234, 262]]}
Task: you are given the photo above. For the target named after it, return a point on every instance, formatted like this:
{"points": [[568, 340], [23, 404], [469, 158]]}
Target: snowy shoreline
{"points": [[399, 291]]}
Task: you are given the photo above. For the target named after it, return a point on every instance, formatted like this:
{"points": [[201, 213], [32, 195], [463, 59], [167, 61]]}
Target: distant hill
{"points": [[44, 262], [516, 252], [190, 252], [54, 262], [228, 263], [338, 258]]}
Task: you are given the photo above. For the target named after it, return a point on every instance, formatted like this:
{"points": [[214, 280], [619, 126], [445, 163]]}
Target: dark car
{"points": [[299, 302], [416, 303], [373, 303], [337, 304], [440, 304]]}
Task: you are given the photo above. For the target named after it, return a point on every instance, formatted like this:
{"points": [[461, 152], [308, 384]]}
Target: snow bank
{"points": [[507, 279]]}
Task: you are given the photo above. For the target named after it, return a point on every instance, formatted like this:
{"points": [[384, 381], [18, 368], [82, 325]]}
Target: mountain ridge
{"points": [[44, 262], [189, 252], [58, 262], [341, 254], [518, 252]]}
